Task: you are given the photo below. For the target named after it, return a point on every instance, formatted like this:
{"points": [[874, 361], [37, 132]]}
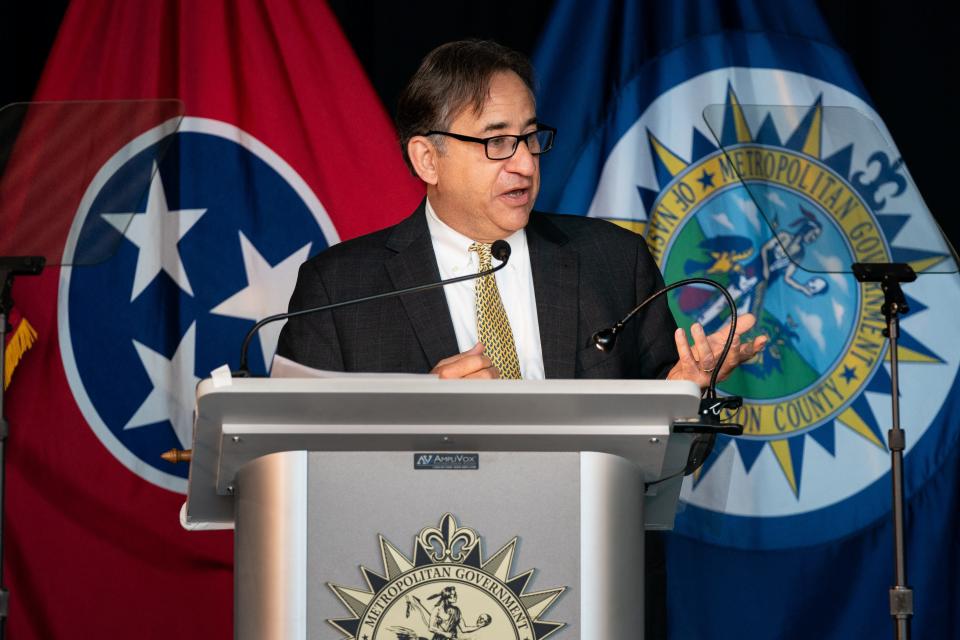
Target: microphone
{"points": [[606, 339], [707, 425], [499, 250]]}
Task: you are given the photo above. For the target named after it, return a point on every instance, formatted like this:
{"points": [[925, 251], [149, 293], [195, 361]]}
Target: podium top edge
{"points": [[431, 385]]}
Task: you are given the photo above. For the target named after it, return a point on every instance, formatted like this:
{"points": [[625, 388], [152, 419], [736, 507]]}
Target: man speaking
{"points": [[468, 128]]}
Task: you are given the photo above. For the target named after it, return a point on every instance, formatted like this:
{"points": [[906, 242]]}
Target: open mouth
{"points": [[518, 195]]}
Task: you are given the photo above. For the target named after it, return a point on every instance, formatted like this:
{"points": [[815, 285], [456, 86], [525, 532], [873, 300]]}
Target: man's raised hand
{"points": [[697, 363]]}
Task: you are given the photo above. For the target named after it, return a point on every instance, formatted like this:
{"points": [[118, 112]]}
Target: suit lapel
{"points": [[555, 269], [414, 264]]}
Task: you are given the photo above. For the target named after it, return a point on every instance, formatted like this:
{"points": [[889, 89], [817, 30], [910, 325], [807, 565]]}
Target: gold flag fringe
{"points": [[20, 342]]}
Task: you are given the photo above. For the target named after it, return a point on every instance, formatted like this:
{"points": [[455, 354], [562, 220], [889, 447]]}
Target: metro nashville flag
{"points": [[664, 107]]}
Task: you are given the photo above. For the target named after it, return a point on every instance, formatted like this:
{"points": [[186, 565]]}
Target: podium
{"points": [[502, 509]]}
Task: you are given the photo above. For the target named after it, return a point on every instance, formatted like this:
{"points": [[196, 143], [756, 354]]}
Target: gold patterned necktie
{"points": [[493, 326]]}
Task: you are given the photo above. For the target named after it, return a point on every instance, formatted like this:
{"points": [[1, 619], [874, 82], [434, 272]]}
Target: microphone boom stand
{"points": [[890, 276]]}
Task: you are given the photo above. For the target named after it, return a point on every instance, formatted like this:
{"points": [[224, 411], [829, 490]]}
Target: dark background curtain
{"points": [[904, 53]]}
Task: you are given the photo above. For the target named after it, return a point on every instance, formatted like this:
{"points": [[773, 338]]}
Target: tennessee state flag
{"points": [[282, 149]]}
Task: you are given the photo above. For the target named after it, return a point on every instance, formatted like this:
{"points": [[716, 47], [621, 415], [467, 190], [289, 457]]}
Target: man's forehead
{"points": [[509, 104], [498, 117]]}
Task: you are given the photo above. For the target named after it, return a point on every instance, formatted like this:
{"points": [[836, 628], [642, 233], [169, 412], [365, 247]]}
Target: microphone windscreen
{"points": [[500, 250]]}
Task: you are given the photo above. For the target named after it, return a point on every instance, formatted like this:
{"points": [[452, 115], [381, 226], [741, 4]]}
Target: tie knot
{"points": [[483, 252]]}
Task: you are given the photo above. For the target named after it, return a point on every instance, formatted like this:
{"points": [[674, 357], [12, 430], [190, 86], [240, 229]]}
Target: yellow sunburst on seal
{"points": [[446, 588]]}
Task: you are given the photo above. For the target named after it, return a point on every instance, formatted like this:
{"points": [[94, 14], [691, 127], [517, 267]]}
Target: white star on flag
{"points": [[174, 388], [267, 292], [156, 232]]}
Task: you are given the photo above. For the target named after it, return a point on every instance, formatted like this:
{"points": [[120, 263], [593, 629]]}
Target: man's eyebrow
{"points": [[495, 126], [500, 126]]}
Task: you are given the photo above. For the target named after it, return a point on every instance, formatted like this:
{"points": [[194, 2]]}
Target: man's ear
{"points": [[423, 156]]}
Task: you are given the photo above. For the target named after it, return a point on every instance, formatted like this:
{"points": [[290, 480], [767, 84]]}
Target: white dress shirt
{"points": [[515, 283]]}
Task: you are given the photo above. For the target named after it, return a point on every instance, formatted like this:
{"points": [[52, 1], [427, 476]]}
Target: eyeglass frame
{"points": [[522, 137]]}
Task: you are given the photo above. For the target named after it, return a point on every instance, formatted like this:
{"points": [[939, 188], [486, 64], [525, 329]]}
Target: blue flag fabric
{"points": [[786, 531]]}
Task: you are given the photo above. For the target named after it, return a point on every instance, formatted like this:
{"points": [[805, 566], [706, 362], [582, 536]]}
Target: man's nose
{"points": [[522, 161]]}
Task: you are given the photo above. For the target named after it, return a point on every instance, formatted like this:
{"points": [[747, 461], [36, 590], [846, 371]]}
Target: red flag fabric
{"points": [[283, 149]]}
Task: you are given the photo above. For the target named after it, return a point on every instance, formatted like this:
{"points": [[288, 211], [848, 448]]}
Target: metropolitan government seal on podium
{"points": [[446, 590]]}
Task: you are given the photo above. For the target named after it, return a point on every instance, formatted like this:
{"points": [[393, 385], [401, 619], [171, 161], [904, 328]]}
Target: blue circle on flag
{"points": [[206, 236]]}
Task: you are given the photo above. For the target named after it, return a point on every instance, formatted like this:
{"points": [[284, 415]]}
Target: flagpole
{"points": [[9, 267]]}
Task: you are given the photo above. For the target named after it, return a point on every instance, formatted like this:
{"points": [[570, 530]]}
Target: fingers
{"points": [[474, 350], [687, 367], [745, 323], [469, 364], [683, 347], [742, 351], [707, 361], [752, 348], [697, 363], [487, 373]]}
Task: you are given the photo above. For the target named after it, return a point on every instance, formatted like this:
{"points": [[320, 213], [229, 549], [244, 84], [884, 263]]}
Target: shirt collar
{"points": [[453, 248]]}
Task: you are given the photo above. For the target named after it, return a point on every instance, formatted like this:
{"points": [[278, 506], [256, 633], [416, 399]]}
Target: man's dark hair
{"points": [[452, 77]]}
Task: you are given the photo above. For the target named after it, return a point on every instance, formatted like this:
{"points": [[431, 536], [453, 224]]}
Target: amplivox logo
{"points": [[447, 461]]}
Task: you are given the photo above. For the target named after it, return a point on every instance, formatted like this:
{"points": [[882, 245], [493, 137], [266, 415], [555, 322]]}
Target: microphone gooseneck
{"points": [[499, 250], [708, 423], [605, 339]]}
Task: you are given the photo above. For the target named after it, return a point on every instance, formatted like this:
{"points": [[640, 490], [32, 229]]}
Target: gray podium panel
{"points": [[312, 528]]}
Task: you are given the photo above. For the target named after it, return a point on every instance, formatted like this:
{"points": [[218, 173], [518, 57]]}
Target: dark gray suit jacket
{"points": [[587, 274]]}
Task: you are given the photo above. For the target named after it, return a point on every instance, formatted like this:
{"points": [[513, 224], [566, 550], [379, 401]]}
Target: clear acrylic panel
{"points": [[830, 188], [50, 152]]}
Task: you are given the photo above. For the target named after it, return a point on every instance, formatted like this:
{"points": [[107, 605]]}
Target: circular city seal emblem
{"points": [[776, 204], [447, 590], [793, 207]]}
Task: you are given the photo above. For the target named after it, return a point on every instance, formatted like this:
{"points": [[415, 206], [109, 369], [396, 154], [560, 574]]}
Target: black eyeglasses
{"points": [[505, 145]]}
